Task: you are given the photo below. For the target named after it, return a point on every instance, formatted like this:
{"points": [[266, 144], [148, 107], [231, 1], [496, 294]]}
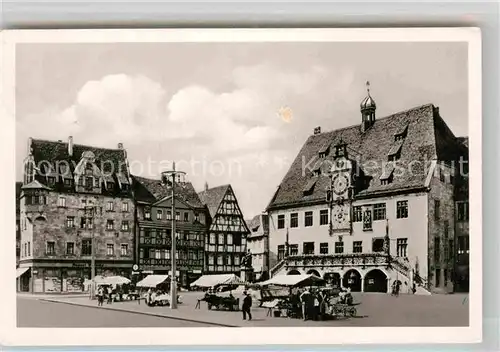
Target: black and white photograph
{"points": [[312, 180]]}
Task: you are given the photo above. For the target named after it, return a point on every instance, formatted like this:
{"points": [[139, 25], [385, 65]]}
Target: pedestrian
{"points": [[305, 298], [316, 300], [398, 287], [247, 305], [100, 296]]}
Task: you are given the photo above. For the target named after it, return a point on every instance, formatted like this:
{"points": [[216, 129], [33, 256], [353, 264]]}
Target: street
{"points": [[374, 310], [32, 312]]}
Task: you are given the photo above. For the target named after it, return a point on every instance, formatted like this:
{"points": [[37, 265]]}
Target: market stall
{"points": [[154, 290], [116, 287], [216, 299]]}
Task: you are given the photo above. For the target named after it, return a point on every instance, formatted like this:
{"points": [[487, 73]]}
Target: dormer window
{"points": [[309, 187], [317, 168], [110, 186], [395, 151], [147, 214], [51, 180], [387, 174], [401, 133], [67, 182], [324, 151]]}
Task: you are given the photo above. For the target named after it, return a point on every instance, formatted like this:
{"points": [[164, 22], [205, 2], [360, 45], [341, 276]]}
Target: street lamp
{"points": [[173, 282], [89, 214]]}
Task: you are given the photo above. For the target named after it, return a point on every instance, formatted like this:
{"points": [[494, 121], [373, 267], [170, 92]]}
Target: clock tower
{"points": [[341, 191]]}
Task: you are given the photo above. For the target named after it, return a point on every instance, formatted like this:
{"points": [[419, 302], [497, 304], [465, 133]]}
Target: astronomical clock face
{"points": [[340, 184], [341, 217]]}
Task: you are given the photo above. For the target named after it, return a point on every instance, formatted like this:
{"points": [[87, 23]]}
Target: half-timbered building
{"points": [[225, 244]]}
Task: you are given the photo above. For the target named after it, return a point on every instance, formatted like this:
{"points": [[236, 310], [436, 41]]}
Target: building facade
{"points": [[371, 204], [154, 228], [18, 221], [258, 245], [225, 243], [76, 202]]}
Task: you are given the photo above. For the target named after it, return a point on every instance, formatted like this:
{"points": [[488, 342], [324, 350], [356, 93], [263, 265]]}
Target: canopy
{"points": [[293, 280], [20, 271], [111, 280], [152, 280], [216, 280]]}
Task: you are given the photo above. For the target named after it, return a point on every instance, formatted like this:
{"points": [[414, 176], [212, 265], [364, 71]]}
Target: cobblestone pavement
{"points": [[374, 310]]}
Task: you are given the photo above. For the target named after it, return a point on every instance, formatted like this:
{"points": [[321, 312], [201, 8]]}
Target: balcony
{"points": [[337, 260]]}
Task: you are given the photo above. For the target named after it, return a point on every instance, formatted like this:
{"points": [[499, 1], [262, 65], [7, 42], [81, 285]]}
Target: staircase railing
{"points": [[277, 267]]}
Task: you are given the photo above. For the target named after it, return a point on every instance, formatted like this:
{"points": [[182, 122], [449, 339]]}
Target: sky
{"points": [[217, 109]]}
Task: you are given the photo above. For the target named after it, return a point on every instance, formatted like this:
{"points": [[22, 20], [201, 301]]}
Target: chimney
{"points": [[70, 146], [120, 145], [206, 186], [317, 130]]}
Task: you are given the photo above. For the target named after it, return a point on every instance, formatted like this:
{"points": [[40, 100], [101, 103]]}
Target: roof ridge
{"points": [[377, 119], [74, 144]]}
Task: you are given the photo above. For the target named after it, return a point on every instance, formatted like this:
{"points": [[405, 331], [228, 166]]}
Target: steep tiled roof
{"points": [[212, 198], [151, 190], [51, 151], [427, 138], [254, 224]]}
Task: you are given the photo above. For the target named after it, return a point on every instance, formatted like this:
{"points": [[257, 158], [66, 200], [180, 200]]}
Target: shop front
{"points": [[57, 277]]}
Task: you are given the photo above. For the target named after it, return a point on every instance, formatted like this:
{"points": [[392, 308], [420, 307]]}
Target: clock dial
{"points": [[340, 183]]}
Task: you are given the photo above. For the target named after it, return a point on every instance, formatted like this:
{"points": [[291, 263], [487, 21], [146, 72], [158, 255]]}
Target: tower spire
{"points": [[368, 107]]}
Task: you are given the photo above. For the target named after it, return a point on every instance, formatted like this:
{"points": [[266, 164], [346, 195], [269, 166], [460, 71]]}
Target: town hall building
{"points": [[368, 205]]}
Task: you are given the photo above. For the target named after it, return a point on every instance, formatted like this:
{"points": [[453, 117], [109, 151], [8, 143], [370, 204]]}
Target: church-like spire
{"points": [[368, 108]]}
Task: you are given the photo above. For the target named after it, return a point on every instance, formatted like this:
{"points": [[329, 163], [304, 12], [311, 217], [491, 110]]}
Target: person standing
{"points": [[247, 305], [100, 296], [305, 298]]}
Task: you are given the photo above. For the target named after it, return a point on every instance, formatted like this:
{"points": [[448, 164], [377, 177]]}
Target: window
{"points": [[125, 225], [463, 244], [281, 252], [323, 217], [229, 239], [89, 182], [70, 248], [220, 260], [308, 248], [339, 247], [294, 220], [357, 247], [159, 214], [110, 186], [236, 260], [177, 216], [70, 221], [61, 202], [110, 206], [402, 247], [29, 248], [67, 182], [402, 209], [463, 211], [437, 209], [308, 218], [110, 249], [229, 260], [110, 224], [367, 220], [86, 247], [357, 214], [169, 215], [186, 217], [51, 248], [83, 223], [379, 211], [196, 217], [210, 259], [294, 249], [157, 254], [323, 248], [221, 238], [378, 245], [125, 206], [438, 277], [147, 214], [96, 182], [437, 249], [281, 221], [212, 238]]}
